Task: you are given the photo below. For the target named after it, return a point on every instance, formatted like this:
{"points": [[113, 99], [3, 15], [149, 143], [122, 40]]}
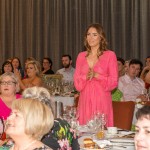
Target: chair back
{"points": [[123, 114]]}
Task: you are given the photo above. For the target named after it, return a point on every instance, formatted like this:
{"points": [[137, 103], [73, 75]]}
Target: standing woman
{"points": [[96, 76]]}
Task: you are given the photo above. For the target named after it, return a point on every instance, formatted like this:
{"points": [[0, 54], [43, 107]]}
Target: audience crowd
{"points": [[27, 79], [22, 87]]}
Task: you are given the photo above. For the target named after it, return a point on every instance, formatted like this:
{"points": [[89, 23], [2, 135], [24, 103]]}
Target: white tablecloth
{"points": [[118, 141], [67, 101], [117, 146]]}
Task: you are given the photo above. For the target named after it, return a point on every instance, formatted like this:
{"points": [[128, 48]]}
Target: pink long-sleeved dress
{"points": [[95, 94]]}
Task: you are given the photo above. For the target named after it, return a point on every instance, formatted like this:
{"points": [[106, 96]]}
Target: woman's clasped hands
{"points": [[91, 74]]}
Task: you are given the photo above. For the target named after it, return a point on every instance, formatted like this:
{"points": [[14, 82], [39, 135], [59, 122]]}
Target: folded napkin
{"points": [[102, 143]]}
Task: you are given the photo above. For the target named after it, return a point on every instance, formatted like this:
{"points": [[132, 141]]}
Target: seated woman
{"points": [[33, 76], [26, 62], [145, 74], [17, 66], [47, 66], [7, 67], [142, 127], [61, 136], [121, 63], [147, 78], [8, 88], [27, 124]]}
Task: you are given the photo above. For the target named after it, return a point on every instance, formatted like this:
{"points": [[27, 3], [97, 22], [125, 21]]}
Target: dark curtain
{"points": [[40, 28]]}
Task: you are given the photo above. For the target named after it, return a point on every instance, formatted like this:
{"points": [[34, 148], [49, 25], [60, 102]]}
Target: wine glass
{"points": [[145, 93], [102, 120]]}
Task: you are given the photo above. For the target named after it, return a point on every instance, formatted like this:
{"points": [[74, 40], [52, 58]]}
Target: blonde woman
{"points": [[27, 124], [33, 71], [56, 139]]}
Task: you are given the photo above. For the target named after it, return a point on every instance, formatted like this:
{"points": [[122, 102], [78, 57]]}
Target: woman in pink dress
{"points": [[96, 75], [8, 88]]}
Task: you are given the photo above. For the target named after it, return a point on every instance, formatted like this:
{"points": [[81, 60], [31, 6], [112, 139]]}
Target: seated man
{"points": [[130, 85], [68, 70]]}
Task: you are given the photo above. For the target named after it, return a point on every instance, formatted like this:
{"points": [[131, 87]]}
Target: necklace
{"points": [[26, 147]]}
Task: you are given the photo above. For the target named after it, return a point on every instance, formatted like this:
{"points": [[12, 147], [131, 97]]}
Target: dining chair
{"points": [[123, 114]]}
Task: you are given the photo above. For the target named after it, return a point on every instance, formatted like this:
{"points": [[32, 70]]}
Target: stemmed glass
{"points": [[145, 93], [101, 122], [73, 117], [95, 122], [65, 113]]}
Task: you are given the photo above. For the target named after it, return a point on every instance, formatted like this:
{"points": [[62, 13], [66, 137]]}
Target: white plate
{"points": [[119, 134], [122, 140], [126, 132], [110, 135]]}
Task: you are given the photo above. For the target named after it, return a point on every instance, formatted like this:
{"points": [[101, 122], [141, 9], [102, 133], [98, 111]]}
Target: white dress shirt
{"points": [[131, 89], [67, 74]]}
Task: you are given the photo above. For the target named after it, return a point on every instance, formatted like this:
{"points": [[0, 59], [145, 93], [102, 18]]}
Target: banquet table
{"points": [[66, 100], [120, 141]]}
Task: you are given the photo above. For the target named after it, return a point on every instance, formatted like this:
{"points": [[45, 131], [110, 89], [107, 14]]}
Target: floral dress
{"points": [[61, 137]]}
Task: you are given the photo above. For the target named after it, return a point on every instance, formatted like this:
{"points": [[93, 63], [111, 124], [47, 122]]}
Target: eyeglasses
{"points": [[7, 82]]}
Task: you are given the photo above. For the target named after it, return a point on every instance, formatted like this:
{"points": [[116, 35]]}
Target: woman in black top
{"points": [[47, 66]]}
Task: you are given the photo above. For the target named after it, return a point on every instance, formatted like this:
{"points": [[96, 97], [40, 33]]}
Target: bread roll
{"points": [[88, 143]]}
